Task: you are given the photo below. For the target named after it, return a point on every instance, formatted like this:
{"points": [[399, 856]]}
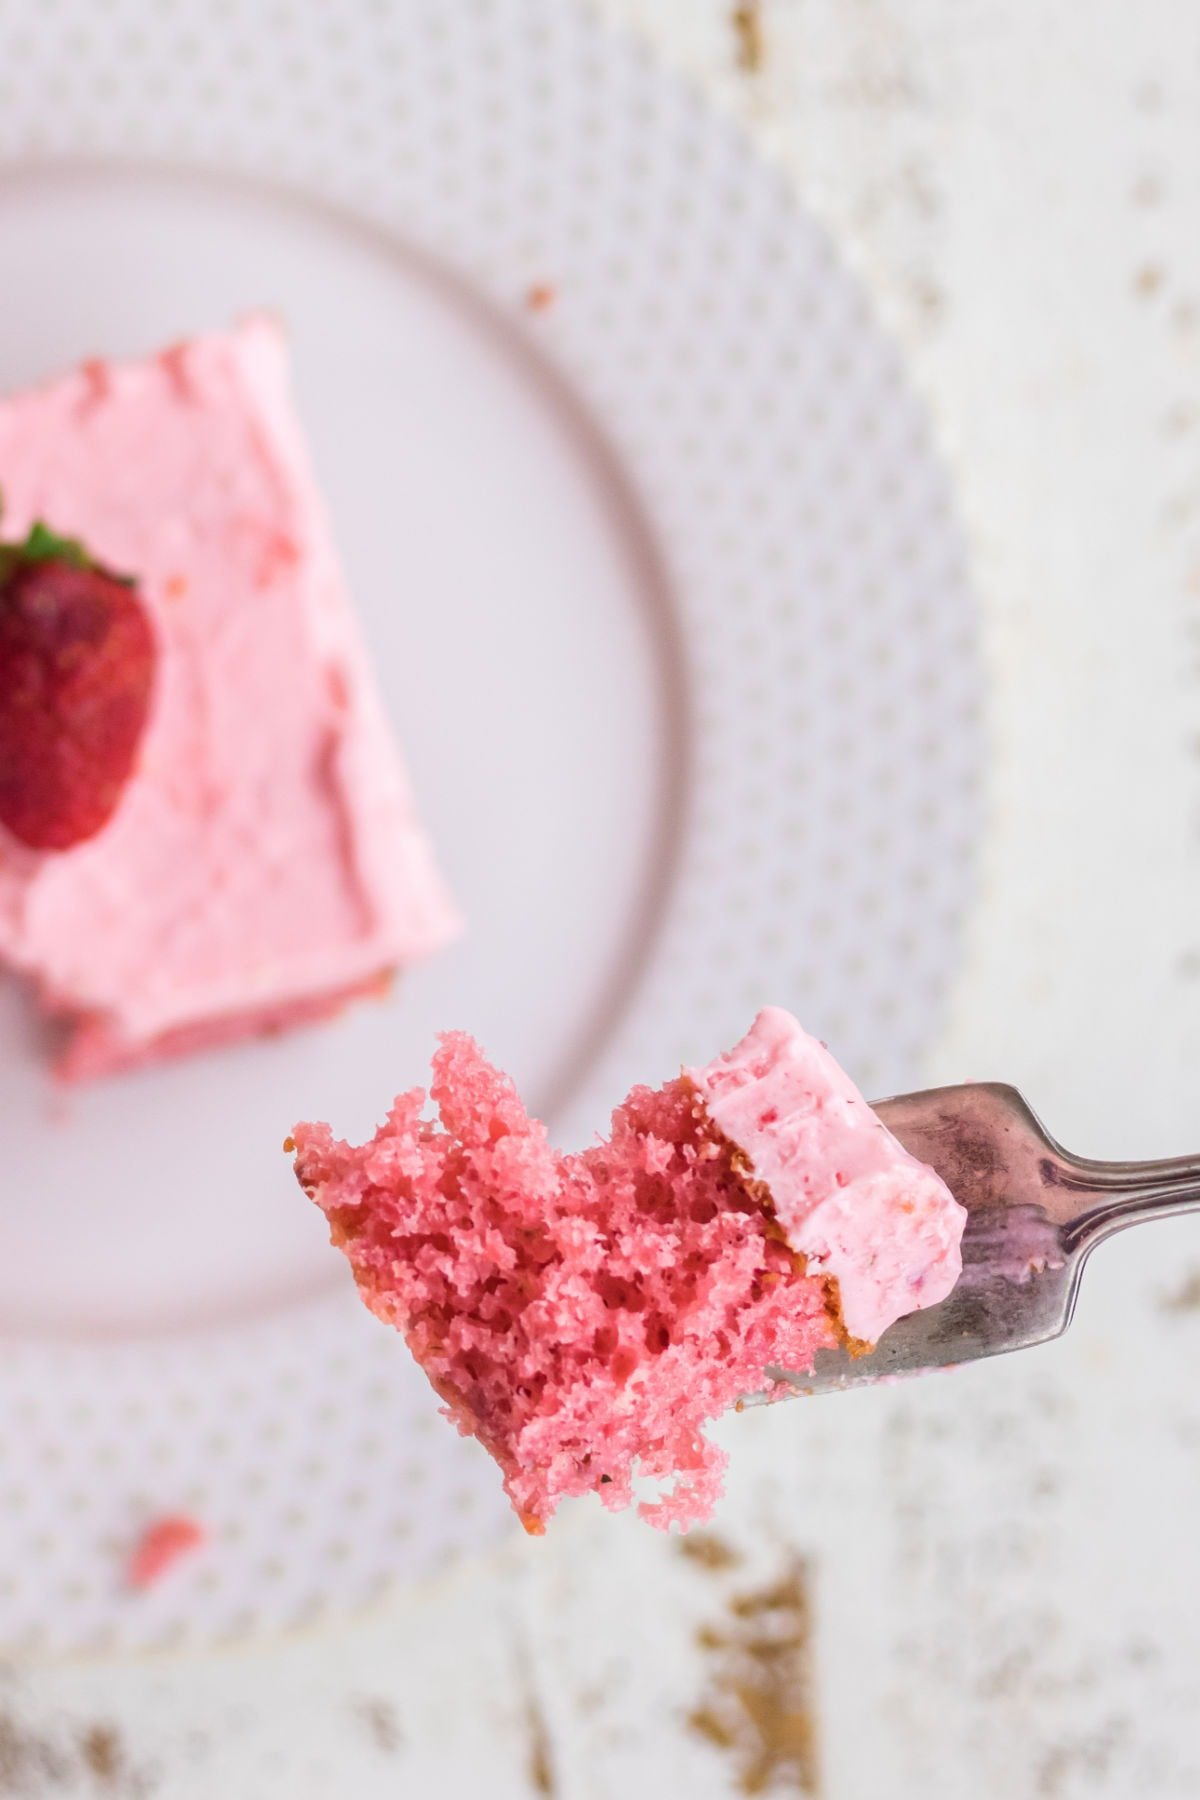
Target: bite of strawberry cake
{"points": [[586, 1315], [205, 827]]}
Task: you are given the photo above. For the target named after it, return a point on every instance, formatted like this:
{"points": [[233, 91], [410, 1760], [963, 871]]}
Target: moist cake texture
{"points": [[586, 1315]]}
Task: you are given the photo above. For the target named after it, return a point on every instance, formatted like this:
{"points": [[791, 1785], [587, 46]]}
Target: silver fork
{"points": [[1034, 1214]]}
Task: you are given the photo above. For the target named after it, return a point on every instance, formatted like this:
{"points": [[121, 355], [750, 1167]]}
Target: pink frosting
{"points": [[266, 856], [846, 1194]]}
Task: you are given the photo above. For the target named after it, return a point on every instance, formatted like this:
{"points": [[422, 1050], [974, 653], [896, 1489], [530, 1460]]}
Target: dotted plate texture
{"points": [[826, 656]]}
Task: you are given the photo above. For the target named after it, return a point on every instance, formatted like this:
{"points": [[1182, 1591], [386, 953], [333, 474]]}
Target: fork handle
{"points": [[1113, 1195]]}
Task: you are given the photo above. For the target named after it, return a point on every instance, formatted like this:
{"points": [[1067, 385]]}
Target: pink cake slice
{"points": [[265, 862], [586, 1315]]}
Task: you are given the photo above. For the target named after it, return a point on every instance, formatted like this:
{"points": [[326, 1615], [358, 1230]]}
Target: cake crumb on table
{"points": [[163, 1543]]}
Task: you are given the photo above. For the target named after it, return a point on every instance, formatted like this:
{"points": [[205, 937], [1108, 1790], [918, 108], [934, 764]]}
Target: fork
{"points": [[1034, 1214]]}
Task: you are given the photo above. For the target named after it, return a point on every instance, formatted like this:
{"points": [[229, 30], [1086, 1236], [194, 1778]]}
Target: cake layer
{"points": [[586, 1315], [265, 858], [847, 1196]]}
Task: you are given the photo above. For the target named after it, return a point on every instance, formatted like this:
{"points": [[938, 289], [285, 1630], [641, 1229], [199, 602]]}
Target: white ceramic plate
{"points": [[669, 607]]}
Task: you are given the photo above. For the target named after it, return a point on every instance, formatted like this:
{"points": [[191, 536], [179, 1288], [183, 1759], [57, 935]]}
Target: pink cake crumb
{"points": [[583, 1315], [163, 1543]]}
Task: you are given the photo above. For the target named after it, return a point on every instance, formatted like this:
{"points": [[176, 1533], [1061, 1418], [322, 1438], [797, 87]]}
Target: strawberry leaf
{"points": [[44, 545]]}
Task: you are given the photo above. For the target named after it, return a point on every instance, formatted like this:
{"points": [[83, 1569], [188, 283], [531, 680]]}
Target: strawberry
{"points": [[77, 658]]}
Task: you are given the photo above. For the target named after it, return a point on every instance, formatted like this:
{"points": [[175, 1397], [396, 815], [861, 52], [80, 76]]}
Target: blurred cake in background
{"points": [[262, 861]]}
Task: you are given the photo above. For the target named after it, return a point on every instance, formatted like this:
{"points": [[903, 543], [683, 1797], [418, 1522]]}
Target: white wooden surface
{"points": [[1005, 1565]]}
